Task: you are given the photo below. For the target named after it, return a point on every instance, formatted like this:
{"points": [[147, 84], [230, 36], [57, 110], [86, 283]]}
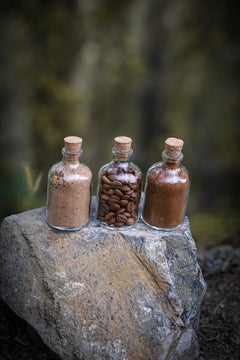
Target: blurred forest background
{"points": [[148, 69]]}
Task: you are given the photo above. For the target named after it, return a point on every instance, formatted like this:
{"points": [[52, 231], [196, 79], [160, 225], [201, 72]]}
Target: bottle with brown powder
{"points": [[69, 189], [167, 189], [119, 188]]}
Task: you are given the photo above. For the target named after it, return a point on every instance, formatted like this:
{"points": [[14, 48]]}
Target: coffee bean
{"points": [[106, 186], [127, 214], [130, 221], [112, 200], [100, 218], [115, 197], [123, 202], [104, 207], [120, 211], [129, 192], [114, 206], [105, 180], [125, 188], [105, 191], [133, 186], [101, 212], [105, 197], [109, 215], [116, 183], [111, 221], [101, 202], [118, 192], [131, 207], [121, 218]]}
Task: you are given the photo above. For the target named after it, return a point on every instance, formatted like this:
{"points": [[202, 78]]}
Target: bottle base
{"points": [[160, 228], [62, 228], [114, 228]]}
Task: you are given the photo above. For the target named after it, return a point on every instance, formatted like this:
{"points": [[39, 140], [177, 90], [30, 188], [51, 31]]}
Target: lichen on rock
{"points": [[102, 294]]}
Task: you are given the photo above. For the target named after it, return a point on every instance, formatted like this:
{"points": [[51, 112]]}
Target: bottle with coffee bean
{"points": [[119, 188]]}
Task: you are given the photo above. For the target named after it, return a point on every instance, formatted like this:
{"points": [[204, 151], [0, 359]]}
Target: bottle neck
{"points": [[71, 158], [170, 161], [121, 156]]}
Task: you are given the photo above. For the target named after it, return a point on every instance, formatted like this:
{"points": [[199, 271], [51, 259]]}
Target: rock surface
{"points": [[102, 294]]}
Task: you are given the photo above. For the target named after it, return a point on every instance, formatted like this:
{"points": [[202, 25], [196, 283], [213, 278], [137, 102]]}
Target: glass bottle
{"points": [[167, 189], [69, 189], [119, 188]]}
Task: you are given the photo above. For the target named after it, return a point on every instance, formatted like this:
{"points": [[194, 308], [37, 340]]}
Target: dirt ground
{"points": [[219, 330]]}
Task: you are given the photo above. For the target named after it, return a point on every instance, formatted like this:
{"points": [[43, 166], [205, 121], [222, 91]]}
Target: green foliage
{"points": [[21, 191], [29, 198]]}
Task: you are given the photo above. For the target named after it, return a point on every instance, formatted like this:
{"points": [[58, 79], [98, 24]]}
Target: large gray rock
{"points": [[102, 294]]}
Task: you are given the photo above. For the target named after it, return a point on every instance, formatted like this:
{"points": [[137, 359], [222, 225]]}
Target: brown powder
{"points": [[69, 191], [167, 189], [165, 197]]}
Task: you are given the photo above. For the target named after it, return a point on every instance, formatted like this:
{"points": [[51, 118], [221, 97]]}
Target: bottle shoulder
{"points": [[164, 173], [122, 171], [70, 172]]}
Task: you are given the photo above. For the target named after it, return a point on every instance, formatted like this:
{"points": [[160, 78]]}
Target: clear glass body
{"points": [[119, 193], [166, 194], [69, 193]]}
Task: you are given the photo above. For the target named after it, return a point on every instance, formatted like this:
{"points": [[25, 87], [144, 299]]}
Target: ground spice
{"points": [[167, 188], [69, 189], [119, 188]]}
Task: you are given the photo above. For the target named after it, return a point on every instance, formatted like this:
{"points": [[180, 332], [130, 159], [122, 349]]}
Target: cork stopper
{"points": [[123, 146], [123, 143], [173, 147], [73, 144]]}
